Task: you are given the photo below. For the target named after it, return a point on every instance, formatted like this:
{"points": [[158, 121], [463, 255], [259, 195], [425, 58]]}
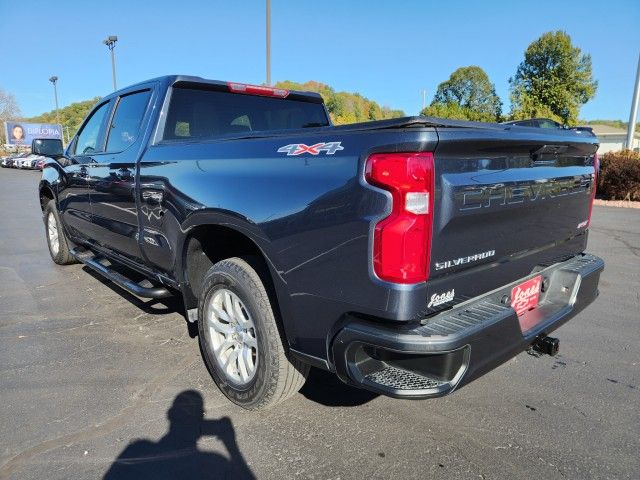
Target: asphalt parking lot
{"points": [[89, 371]]}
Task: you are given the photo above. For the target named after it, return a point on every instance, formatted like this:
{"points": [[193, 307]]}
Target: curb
{"points": [[616, 203]]}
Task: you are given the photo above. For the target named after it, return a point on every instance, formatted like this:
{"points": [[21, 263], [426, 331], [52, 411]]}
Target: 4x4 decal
{"points": [[299, 148]]}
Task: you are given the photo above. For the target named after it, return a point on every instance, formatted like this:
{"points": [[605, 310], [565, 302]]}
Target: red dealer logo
{"points": [[525, 296], [299, 148]]}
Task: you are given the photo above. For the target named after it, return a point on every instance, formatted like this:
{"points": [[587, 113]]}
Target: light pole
{"points": [[110, 42], [54, 80], [631, 128], [268, 42], [424, 98]]}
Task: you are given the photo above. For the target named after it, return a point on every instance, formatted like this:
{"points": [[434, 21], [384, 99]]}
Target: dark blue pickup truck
{"points": [[409, 256]]}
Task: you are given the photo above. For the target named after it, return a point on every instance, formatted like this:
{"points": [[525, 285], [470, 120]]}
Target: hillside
{"points": [[345, 107], [612, 123], [71, 116]]}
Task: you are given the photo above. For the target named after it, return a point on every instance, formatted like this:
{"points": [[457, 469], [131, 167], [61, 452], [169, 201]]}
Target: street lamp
{"points": [[633, 117], [110, 42], [268, 42], [54, 80]]}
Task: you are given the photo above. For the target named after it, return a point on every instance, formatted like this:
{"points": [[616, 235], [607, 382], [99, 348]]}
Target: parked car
{"points": [[12, 160], [408, 256], [21, 161], [536, 122], [31, 161], [548, 123]]}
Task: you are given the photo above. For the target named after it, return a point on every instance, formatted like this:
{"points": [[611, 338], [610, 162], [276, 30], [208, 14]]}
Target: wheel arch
{"points": [[46, 194], [210, 241], [52, 179]]}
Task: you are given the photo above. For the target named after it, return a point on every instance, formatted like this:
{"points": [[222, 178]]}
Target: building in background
{"points": [[613, 139]]}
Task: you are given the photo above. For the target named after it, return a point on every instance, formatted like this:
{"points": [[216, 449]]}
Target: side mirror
{"points": [[47, 147]]}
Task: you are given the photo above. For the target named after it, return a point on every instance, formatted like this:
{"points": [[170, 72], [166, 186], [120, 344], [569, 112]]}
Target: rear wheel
{"points": [[240, 340], [56, 239]]}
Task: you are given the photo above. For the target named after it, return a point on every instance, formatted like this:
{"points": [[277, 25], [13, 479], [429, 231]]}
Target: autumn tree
{"points": [[9, 110], [468, 94], [344, 107], [553, 81]]}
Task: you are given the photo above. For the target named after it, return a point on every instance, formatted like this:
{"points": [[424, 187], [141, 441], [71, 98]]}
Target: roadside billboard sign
{"points": [[23, 133]]}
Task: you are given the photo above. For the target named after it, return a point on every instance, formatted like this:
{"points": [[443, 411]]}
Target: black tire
{"points": [[62, 256], [277, 375]]}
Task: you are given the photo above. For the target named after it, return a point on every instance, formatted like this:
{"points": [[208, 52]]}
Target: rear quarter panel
{"points": [[310, 215]]}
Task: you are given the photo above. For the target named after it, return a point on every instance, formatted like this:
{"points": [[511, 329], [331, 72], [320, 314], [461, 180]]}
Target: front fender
{"points": [[52, 178]]}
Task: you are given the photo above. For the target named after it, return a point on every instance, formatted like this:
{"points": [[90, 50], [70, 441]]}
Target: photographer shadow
{"points": [[176, 455]]}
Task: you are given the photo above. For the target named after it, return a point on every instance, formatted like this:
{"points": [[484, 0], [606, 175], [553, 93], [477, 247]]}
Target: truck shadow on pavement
{"points": [[321, 387], [176, 454], [326, 389], [163, 306]]}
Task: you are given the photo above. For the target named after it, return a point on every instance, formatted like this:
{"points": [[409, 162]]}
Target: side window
{"points": [[125, 126], [87, 142]]}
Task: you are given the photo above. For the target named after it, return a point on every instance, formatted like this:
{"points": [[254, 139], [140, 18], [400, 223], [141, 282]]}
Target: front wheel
{"points": [[56, 239], [240, 340]]}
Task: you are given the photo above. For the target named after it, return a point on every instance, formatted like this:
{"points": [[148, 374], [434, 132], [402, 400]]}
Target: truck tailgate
{"points": [[505, 202]]}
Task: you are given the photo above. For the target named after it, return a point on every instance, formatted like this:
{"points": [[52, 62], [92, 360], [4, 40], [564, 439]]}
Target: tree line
{"points": [[71, 116], [554, 80], [344, 107]]}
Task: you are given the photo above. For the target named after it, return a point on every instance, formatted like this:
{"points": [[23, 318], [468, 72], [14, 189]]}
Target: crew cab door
{"points": [[73, 196], [112, 176]]}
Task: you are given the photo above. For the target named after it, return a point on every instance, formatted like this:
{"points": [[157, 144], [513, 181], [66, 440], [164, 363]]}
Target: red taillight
{"points": [[596, 167], [402, 241], [257, 90]]}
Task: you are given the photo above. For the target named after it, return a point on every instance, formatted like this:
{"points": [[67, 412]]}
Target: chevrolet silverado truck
{"points": [[408, 256]]}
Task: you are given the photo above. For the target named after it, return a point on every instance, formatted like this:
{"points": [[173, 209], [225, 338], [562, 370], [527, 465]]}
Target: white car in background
{"points": [[29, 161], [32, 161], [10, 160], [19, 162]]}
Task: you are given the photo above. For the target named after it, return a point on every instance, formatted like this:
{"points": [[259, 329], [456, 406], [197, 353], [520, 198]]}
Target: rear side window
{"points": [[125, 125], [205, 114]]}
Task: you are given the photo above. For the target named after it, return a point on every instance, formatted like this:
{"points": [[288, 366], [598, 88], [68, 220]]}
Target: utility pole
{"points": [[268, 42], [424, 98], [110, 42], [631, 129], [54, 80]]}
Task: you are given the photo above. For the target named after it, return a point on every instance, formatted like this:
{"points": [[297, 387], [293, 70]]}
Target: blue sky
{"points": [[386, 50]]}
